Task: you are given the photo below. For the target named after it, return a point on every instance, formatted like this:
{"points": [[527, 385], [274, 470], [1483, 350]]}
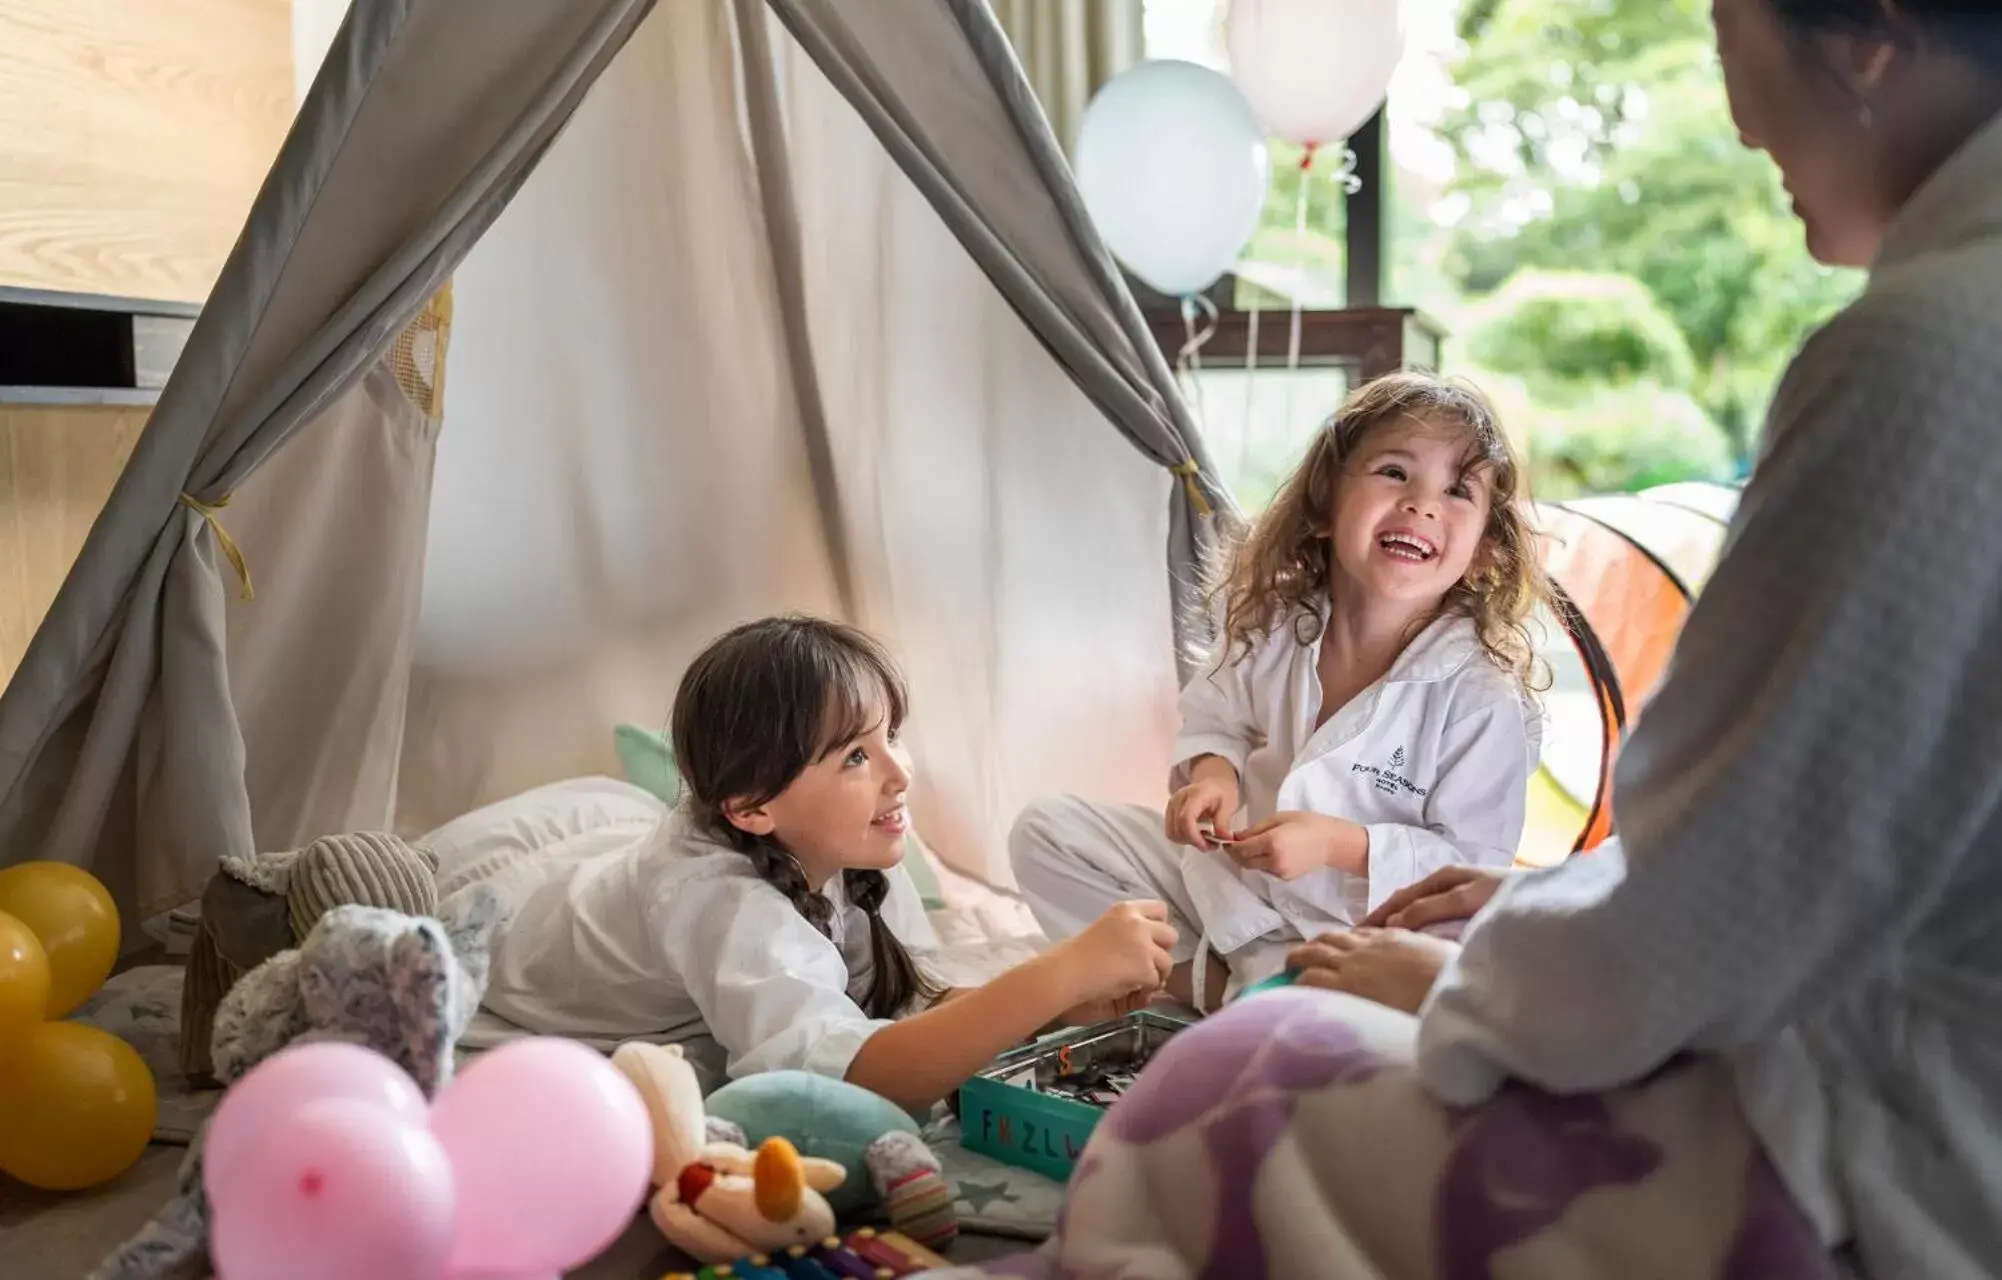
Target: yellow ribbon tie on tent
{"points": [[1189, 472], [207, 511]]}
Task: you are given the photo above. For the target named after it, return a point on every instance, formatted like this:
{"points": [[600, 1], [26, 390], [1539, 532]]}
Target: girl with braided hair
{"points": [[768, 922]]}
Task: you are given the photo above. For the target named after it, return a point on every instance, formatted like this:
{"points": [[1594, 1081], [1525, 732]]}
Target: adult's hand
{"points": [[1393, 967], [1450, 893]]}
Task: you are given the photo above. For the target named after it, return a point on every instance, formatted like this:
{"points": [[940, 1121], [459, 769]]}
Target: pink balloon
{"points": [[268, 1094], [342, 1189], [551, 1154]]}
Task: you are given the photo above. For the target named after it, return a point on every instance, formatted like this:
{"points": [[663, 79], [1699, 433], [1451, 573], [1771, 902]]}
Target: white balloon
{"points": [[1172, 164], [1314, 70]]}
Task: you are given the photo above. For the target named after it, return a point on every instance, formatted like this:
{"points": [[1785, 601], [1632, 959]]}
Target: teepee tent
{"points": [[563, 336]]}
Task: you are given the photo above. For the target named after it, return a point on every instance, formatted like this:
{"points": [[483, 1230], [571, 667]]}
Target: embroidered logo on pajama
{"points": [[1390, 778]]}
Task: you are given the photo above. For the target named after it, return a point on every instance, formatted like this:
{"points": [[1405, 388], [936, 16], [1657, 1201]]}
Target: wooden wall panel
{"points": [[57, 466], [133, 136]]}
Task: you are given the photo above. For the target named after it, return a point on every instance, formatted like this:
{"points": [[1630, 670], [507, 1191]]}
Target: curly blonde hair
{"points": [[1281, 565]]}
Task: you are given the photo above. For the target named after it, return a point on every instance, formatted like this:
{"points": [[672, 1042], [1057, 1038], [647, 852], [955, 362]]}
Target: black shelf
{"points": [[88, 349]]}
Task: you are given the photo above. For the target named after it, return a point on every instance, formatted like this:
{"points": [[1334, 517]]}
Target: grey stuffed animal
{"points": [[404, 986]]}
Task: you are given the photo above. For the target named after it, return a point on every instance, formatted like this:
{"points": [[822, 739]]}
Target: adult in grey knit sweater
{"points": [[1757, 1034]]}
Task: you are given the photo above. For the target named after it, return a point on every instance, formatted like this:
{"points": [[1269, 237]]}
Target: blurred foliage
{"points": [[1585, 438], [1579, 328], [1595, 136]]}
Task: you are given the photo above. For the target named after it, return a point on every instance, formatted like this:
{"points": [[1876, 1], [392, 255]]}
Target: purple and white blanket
{"points": [[1286, 1137]]}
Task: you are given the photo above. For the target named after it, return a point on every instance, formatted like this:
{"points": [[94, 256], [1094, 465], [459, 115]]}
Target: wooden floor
{"points": [[46, 1236]]}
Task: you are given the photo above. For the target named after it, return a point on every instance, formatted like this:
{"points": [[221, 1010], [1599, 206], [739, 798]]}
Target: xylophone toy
{"points": [[867, 1254]]}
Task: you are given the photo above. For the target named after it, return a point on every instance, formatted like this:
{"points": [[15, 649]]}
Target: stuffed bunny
{"points": [[405, 986]]}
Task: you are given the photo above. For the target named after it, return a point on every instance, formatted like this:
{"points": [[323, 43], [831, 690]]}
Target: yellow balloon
{"points": [[77, 1107], [72, 913], [24, 984]]}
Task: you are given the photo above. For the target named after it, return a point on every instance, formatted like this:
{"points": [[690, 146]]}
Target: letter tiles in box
{"points": [[1035, 1107]]}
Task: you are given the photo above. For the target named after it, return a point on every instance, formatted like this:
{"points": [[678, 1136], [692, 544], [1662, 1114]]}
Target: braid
{"points": [[866, 889], [896, 980], [780, 870]]}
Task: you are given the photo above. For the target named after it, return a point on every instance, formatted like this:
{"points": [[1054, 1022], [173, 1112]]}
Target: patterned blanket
{"points": [[1286, 1137]]}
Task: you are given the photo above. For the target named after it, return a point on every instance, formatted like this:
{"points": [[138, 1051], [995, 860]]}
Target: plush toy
{"points": [[718, 1201], [256, 907], [889, 1168], [402, 985]]}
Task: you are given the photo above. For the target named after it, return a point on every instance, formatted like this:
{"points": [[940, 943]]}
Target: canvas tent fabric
{"points": [[1629, 568], [1071, 48], [159, 721]]}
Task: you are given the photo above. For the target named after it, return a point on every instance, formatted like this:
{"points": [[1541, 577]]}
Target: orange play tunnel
{"points": [[1627, 568]]}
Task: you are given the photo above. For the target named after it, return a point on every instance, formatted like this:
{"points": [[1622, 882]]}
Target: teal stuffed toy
{"points": [[779, 1155], [889, 1166]]}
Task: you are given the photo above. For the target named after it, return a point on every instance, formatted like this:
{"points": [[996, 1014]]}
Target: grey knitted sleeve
{"points": [[1801, 804]]}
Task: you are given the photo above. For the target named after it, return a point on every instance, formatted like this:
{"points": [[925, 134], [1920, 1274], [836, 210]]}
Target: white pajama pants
{"points": [[1075, 858]]}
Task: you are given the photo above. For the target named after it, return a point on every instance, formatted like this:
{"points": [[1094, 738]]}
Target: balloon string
{"points": [[1307, 155], [1250, 383], [1188, 360], [1346, 172], [1195, 339]]}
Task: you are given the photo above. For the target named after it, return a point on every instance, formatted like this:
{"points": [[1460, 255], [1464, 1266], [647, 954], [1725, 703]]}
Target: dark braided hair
{"points": [[757, 707], [1971, 28]]}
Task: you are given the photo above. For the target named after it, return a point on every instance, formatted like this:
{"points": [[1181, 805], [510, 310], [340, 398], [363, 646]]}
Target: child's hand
{"points": [[1085, 1015], [1293, 844], [1117, 964], [1209, 799]]}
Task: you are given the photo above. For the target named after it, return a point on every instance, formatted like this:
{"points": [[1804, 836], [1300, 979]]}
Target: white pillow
{"points": [[474, 846]]}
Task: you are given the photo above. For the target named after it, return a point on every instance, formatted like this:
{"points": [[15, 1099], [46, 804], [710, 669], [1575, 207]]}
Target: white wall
{"points": [[314, 23]]}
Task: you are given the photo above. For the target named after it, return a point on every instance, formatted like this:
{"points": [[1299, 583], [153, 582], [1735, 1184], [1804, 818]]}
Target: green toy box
{"points": [[1036, 1106]]}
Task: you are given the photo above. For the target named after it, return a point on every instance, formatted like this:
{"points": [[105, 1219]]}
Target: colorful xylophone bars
{"points": [[867, 1254]]}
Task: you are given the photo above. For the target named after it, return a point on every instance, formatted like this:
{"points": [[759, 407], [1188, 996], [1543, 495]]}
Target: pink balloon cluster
{"points": [[325, 1163]]}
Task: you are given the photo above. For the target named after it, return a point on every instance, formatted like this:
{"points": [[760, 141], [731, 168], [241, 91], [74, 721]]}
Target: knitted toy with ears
{"points": [[404, 986], [258, 906]]}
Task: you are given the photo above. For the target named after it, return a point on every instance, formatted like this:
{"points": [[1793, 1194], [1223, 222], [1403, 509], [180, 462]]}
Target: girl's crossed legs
{"points": [[1074, 858]]}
